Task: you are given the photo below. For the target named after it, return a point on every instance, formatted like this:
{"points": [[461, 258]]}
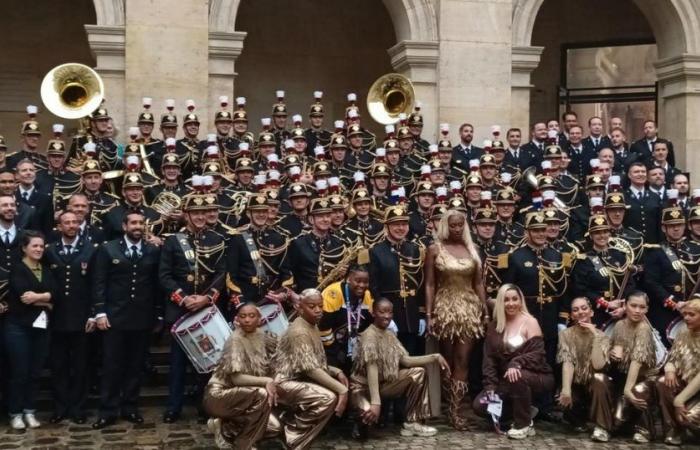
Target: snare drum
{"points": [[675, 328], [202, 336], [274, 320]]}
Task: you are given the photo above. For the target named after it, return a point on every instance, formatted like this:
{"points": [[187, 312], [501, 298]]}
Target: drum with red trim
{"points": [[273, 318], [202, 335]]}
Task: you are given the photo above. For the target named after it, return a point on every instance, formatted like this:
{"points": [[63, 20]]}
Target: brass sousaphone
{"points": [[72, 91], [389, 96]]}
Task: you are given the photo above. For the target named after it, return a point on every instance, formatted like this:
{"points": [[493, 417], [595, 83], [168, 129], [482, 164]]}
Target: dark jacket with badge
{"points": [[72, 298], [124, 289]]}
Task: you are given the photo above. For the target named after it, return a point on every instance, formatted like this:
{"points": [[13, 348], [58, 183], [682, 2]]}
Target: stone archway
{"points": [[676, 27], [415, 54]]}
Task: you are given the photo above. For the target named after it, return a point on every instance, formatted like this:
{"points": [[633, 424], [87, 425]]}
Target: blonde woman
{"points": [[515, 366], [455, 302]]}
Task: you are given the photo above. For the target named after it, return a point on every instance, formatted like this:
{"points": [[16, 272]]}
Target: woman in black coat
{"points": [[26, 329]]}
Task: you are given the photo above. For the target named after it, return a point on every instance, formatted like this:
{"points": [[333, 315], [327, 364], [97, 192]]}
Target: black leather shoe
{"points": [[171, 417], [133, 418], [79, 419], [57, 418], [101, 423]]}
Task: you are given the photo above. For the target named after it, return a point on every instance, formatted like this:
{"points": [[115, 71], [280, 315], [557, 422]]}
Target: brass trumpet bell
{"points": [[72, 91], [531, 179], [389, 96]]}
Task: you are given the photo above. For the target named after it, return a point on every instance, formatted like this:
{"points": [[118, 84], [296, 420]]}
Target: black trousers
{"points": [[68, 371], [124, 353]]}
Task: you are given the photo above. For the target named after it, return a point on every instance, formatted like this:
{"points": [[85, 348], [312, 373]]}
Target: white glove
{"points": [[392, 326], [421, 327]]}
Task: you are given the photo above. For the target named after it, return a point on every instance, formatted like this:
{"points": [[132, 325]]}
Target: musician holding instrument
{"points": [[127, 305], [105, 152], [92, 184], [605, 273], [187, 148], [132, 191], [670, 270], [192, 275], [396, 273], [256, 257], [678, 388], [315, 256], [167, 195], [615, 208], [633, 366]]}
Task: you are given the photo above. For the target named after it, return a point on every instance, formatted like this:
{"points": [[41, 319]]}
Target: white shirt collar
{"points": [[12, 230], [73, 243], [636, 191], [29, 191], [129, 244]]}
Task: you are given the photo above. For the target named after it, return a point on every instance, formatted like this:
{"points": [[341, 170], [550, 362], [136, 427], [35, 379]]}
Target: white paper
{"points": [[495, 408], [42, 321]]}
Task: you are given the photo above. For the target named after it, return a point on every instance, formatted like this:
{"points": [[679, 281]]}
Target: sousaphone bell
{"points": [[389, 96], [72, 91]]}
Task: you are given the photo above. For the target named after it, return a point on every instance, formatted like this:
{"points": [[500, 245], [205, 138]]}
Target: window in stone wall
{"points": [[610, 81]]}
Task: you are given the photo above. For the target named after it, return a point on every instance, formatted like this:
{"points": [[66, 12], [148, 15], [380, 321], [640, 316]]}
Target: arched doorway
{"points": [[300, 47], [37, 36]]}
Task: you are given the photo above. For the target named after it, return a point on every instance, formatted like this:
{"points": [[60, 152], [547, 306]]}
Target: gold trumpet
{"points": [[389, 96], [72, 90]]}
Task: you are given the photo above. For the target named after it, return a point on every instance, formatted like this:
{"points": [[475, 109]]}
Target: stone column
{"points": [[679, 109], [524, 61], [107, 44], [167, 56], [224, 50], [475, 65], [418, 61]]}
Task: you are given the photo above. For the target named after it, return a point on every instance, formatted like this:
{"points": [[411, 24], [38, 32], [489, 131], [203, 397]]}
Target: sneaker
{"points": [[673, 438], [214, 426], [521, 433], [600, 435], [31, 421], [16, 423], [417, 429], [640, 438]]}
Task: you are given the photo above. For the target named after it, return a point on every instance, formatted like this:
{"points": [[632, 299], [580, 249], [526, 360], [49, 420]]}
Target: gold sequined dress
{"points": [[457, 311]]}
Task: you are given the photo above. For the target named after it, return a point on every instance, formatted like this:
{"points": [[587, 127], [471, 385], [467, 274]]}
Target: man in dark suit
{"points": [[539, 141], [645, 146], [127, 304], [28, 193], [659, 158], [596, 139], [516, 158], [623, 156], [569, 120], [70, 261], [581, 156], [644, 213], [463, 152]]}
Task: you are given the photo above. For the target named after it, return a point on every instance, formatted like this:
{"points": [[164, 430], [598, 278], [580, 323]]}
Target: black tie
{"points": [[541, 147], [68, 249], [595, 142], [134, 253], [25, 195], [7, 238]]}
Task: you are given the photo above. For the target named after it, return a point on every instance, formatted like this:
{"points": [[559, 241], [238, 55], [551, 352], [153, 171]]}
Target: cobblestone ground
{"points": [[187, 434]]}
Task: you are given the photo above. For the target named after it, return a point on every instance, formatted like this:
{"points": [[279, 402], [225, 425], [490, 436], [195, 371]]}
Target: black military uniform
{"points": [[41, 202], [124, 290], [671, 270], [396, 273], [71, 266], [598, 274], [105, 148], [317, 136], [644, 214], [59, 183], [256, 259], [29, 127], [541, 275], [312, 258], [493, 253], [190, 264], [112, 220], [294, 224]]}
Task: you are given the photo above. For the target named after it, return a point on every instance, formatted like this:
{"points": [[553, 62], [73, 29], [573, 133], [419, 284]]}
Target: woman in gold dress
{"points": [[679, 387], [455, 303]]}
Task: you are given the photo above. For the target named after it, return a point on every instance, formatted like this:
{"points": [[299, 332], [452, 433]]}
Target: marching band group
{"points": [[584, 251]]}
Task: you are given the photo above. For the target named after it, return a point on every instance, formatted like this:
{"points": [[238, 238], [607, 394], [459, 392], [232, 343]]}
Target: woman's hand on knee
{"points": [[512, 375]]}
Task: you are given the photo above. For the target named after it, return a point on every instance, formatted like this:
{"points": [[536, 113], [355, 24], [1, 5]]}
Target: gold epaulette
{"points": [[651, 245], [581, 256]]}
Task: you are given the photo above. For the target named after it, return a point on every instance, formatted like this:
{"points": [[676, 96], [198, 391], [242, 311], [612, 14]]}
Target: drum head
{"points": [[675, 328]]}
